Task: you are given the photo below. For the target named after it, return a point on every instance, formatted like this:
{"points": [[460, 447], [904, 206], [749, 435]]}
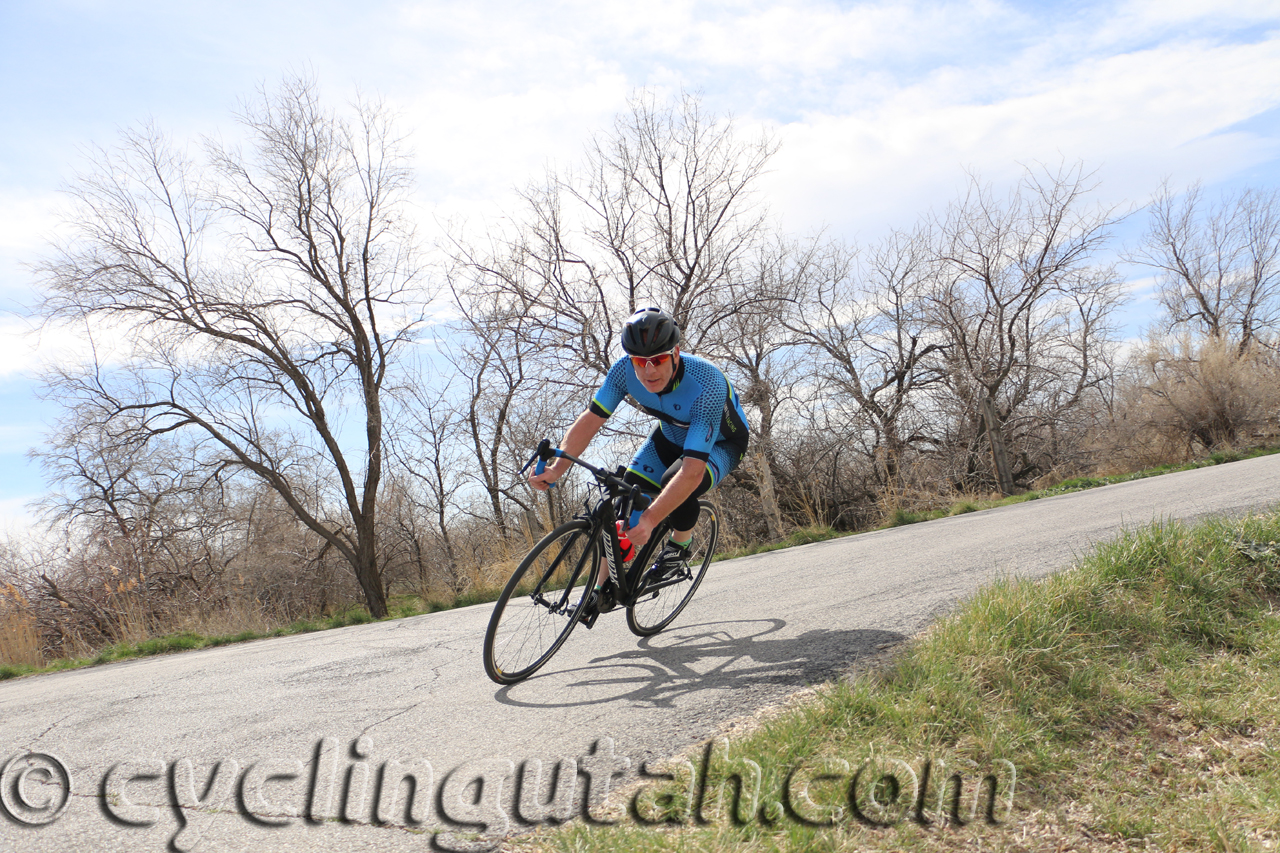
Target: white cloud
{"points": [[472, 150], [1135, 117], [27, 348], [1145, 17], [880, 106], [27, 220], [16, 519], [18, 347]]}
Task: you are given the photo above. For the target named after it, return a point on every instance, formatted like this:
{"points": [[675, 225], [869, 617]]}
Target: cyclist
{"points": [[701, 434]]}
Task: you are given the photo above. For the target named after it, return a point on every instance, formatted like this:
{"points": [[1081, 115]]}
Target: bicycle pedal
{"points": [[605, 598], [590, 610]]}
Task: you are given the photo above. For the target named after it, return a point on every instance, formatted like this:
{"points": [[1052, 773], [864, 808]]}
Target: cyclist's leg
{"points": [[654, 464], [673, 574], [723, 459], [683, 518], [655, 455], [653, 458]]}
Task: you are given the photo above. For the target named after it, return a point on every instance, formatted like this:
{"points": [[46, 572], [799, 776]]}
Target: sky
{"points": [[881, 109]]}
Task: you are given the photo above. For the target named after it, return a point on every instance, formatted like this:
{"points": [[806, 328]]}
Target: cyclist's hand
{"points": [[542, 481], [640, 533]]}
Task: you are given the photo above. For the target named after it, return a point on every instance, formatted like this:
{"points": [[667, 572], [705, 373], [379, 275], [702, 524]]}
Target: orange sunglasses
{"points": [[658, 360]]}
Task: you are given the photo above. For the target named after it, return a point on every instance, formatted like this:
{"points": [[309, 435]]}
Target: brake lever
{"points": [[541, 455], [639, 503]]}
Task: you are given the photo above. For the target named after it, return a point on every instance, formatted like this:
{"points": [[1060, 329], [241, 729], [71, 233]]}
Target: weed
{"points": [[1134, 694]]}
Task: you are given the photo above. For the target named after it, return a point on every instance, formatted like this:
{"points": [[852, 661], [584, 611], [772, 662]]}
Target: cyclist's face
{"points": [[654, 377]]}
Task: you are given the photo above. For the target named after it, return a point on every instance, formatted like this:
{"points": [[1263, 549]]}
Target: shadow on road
{"points": [[733, 655]]}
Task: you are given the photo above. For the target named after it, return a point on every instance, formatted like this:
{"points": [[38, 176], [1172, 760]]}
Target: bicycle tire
{"points": [[528, 625], [655, 610]]}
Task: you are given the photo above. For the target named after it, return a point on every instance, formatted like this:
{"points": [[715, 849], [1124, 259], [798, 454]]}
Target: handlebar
{"points": [[634, 501]]}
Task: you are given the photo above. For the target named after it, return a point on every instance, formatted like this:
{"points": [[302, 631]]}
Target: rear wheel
{"points": [[541, 602], [661, 600]]}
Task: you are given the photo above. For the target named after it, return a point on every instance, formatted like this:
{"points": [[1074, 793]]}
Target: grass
{"points": [[1135, 694], [400, 607], [801, 536]]}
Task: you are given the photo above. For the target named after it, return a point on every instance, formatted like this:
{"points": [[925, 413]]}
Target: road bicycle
{"points": [[548, 593]]}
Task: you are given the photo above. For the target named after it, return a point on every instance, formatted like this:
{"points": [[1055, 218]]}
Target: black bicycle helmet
{"points": [[650, 331]]}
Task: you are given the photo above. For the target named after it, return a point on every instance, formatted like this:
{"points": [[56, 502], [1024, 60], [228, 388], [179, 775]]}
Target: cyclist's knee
{"points": [[685, 516], [703, 487]]}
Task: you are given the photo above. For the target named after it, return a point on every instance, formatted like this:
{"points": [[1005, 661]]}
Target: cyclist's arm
{"points": [[672, 495], [575, 442]]}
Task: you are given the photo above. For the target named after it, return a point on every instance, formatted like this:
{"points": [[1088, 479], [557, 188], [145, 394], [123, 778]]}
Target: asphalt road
{"points": [[284, 744]]}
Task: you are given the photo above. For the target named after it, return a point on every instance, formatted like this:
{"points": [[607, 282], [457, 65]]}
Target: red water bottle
{"points": [[627, 550]]}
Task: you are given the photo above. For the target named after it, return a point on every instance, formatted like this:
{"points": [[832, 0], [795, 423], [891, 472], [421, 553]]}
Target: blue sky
{"points": [[880, 107]]}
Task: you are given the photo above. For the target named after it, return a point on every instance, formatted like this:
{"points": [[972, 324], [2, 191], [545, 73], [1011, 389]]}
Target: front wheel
{"points": [[661, 600], [541, 602]]}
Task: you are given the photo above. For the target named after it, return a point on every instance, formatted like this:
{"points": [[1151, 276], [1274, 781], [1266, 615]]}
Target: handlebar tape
{"points": [[638, 506], [545, 453]]}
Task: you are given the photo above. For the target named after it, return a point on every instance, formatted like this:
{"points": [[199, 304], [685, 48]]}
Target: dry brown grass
{"points": [[19, 638], [1185, 395], [237, 617]]}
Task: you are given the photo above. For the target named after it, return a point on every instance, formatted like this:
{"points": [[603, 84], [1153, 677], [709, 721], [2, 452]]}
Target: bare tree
{"points": [[141, 516], [266, 297], [1019, 306], [497, 350], [434, 456], [566, 310], [662, 212], [758, 352], [863, 316], [1218, 268], [1218, 264], [1182, 393], [669, 202]]}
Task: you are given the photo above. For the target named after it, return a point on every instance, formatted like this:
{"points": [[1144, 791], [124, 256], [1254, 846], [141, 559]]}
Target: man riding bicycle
{"points": [[701, 436]]}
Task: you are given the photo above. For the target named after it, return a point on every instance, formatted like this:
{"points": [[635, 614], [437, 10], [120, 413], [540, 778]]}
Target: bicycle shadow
{"points": [[738, 655]]}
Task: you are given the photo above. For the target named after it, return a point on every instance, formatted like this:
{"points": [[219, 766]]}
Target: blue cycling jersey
{"points": [[698, 410]]}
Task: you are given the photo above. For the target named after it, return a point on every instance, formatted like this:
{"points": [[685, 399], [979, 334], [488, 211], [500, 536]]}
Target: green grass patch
{"points": [[1135, 694], [800, 536], [9, 670], [187, 640], [1221, 457], [900, 517]]}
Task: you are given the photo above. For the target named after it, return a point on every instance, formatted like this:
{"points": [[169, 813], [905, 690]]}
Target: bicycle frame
{"points": [[619, 498], [529, 625]]}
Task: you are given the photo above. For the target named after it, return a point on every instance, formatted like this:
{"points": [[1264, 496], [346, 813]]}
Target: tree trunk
{"points": [[768, 496], [999, 455], [369, 577]]}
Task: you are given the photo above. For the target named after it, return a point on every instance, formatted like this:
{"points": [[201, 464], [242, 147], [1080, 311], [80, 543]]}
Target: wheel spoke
{"points": [[659, 605], [527, 626]]}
